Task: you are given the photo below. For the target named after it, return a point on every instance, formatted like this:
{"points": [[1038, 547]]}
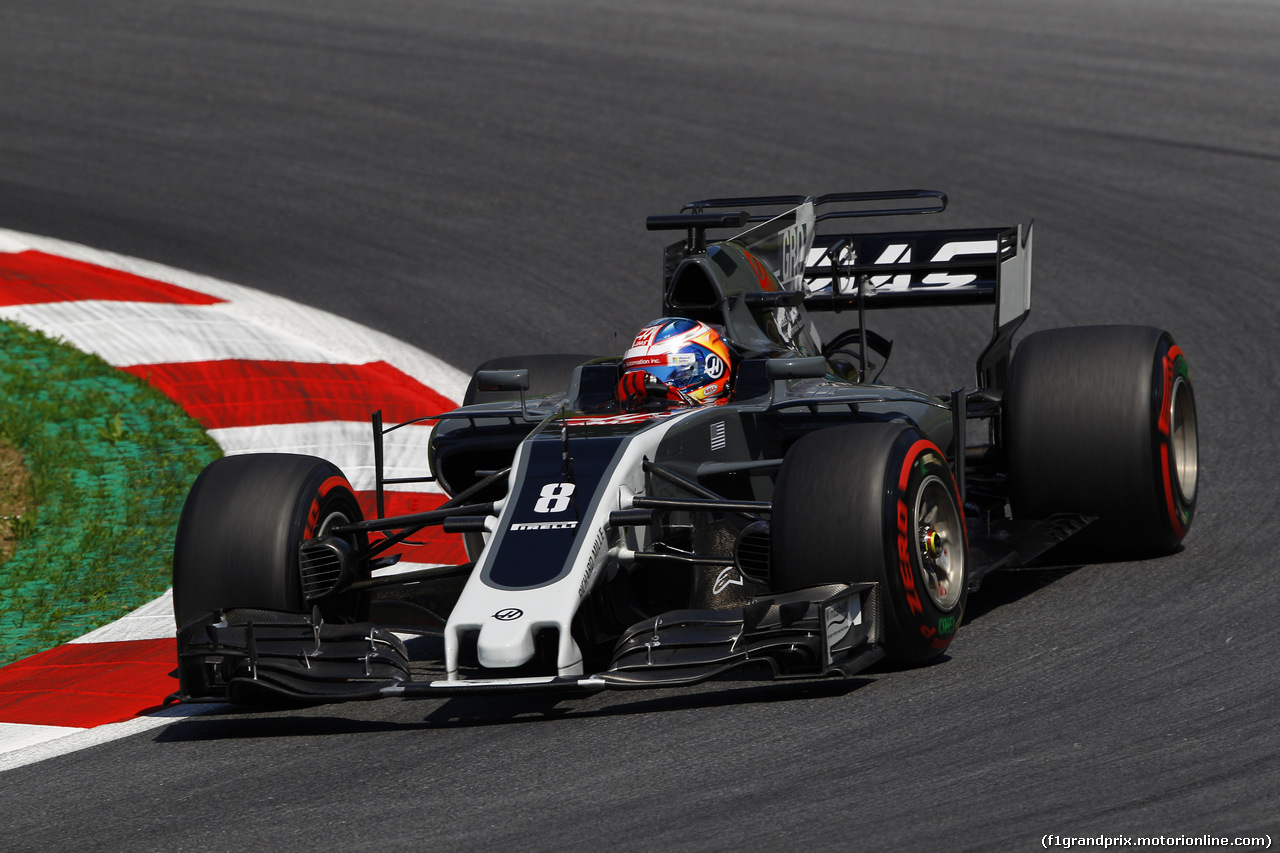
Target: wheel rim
{"points": [[324, 569], [939, 543], [1184, 449], [335, 518]]}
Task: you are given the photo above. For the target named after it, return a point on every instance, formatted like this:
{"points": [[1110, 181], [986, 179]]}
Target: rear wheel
{"points": [[875, 503], [1101, 421], [238, 539]]}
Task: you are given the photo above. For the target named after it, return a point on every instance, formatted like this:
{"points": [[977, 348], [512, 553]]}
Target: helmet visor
{"points": [[682, 370]]}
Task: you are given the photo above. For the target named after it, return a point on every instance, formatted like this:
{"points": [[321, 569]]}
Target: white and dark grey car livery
{"points": [[816, 522]]}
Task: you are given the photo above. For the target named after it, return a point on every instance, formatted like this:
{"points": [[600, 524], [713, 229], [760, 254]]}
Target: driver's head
{"points": [[686, 356]]}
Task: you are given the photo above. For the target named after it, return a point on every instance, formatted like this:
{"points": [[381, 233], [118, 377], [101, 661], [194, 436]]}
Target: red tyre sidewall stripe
{"points": [[905, 568], [313, 514], [905, 476], [916, 449], [902, 537], [332, 483], [1164, 427], [1178, 529]]}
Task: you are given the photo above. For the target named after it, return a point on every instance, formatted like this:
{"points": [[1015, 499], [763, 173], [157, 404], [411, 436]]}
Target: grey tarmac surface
{"points": [[473, 178]]}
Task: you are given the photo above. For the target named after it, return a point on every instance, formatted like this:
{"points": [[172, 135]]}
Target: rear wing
{"points": [[838, 271]]}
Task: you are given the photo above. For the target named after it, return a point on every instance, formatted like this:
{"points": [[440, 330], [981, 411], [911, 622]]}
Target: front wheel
{"points": [[876, 502], [241, 529]]}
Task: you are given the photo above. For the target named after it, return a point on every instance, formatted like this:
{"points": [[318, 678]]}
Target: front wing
{"points": [[254, 655]]}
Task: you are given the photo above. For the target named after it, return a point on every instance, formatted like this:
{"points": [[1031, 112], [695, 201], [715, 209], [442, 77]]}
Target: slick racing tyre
{"points": [[875, 502], [240, 531], [548, 374], [1101, 421]]}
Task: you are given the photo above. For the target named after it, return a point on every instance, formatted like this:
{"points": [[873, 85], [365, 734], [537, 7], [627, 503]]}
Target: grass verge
{"points": [[110, 461], [15, 500]]}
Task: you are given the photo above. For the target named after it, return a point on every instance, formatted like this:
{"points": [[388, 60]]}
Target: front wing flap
{"points": [[252, 655], [246, 655], [830, 630]]}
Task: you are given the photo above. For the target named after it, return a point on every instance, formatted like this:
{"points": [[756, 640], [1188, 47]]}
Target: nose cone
{"points": [[505, 640]]}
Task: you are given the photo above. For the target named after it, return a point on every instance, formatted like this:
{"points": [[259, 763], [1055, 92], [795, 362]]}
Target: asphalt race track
{"points": [[473, 178]]}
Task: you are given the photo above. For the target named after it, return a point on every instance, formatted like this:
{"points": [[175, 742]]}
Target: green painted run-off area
{"points": [[111, 460]]}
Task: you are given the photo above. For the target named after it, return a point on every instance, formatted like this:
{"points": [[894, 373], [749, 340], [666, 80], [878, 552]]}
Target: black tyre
{"points": [[876, 502], [1101, 421], [241, 526], [548, 374]]}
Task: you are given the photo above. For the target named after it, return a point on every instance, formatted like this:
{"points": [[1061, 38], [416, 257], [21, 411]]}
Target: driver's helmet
{"points": [[688, 357]]}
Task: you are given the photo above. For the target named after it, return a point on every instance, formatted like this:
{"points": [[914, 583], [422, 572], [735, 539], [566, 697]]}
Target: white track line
{"points": [[347, 444], [161, 333], [42, 742], [151, 621], [345, 341]]}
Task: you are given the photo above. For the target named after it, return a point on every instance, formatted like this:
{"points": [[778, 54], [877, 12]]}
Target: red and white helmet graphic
{"points": [[686, 355]]}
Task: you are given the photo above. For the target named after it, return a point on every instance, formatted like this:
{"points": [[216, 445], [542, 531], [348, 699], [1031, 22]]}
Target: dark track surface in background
{"points": [[473, 178]]}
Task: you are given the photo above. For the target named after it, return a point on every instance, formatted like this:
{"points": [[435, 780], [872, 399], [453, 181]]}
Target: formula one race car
{"points": [[730, 495]]}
